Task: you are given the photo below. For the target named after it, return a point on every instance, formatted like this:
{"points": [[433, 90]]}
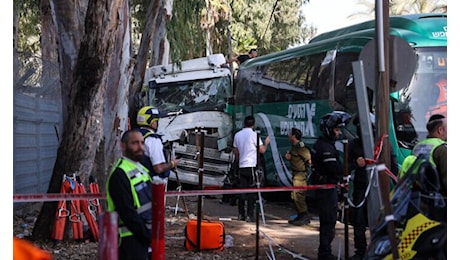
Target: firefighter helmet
{"points": [[147, 115]]}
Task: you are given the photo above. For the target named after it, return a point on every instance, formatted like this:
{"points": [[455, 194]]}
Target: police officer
{"points": [[300, 159], [357, 169], [358, 211], [129, 193], [326, 163]]}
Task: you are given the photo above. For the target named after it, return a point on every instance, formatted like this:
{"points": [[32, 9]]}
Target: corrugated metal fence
{"points": [[37, 130]]}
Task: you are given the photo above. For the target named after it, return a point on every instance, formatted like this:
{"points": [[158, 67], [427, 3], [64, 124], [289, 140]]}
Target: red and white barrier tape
{"points": [[56, 197], [87, 196]]}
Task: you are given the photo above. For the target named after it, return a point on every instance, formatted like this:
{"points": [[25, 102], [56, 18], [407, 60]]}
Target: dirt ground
{"points": [[277, 238], [273, 239]]}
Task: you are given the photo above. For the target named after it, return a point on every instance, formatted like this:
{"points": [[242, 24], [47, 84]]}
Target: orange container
{"points": [[212, 235]]}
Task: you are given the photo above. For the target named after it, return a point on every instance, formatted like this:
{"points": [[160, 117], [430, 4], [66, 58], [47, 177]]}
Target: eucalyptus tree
{"points": [[269, 25], [92, 50], [266, 25], [185, 34], [92, 44]]}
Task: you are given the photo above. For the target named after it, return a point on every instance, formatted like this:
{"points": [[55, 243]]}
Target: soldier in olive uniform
{"points": [[300, 160]]}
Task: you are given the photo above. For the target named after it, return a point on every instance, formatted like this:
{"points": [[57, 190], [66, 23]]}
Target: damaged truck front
{"points": [[192, 97]]}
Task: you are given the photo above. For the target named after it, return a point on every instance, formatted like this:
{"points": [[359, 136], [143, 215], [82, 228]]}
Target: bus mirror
{"points": [[402, 63]]}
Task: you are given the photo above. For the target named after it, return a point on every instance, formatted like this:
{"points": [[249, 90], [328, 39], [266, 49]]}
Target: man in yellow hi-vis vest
{"points": [[435, 144], [129, 193]]}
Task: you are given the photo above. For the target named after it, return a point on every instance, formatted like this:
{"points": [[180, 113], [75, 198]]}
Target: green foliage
{"points": [[186, 38], [402, 7], [266, 25], [138, 15], [29, 29]]}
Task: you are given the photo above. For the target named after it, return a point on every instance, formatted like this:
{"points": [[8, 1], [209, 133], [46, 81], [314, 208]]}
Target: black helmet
{"points": [[335, 119]]}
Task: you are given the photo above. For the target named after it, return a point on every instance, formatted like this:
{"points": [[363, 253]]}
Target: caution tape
{"points": [[56, 197], [87, 196], [247, 190]]}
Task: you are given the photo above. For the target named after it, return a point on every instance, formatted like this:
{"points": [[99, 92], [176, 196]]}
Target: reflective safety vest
{"points": [[426, 146], [141, 189]]}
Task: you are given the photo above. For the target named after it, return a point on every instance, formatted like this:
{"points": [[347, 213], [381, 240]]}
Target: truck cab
{"points": [[193, 97]]}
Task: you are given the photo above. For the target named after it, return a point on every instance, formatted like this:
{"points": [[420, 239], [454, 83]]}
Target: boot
{"points": [[301, 219]]}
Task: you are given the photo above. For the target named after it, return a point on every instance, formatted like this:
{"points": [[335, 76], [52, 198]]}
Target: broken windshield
{"points": [[204, 94], [426, 95]]}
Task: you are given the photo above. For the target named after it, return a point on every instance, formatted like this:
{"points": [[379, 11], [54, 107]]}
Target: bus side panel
{"points": [[276, 120]]}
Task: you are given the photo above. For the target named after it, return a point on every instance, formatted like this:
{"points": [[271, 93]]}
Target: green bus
{"points": [[295, 87]]}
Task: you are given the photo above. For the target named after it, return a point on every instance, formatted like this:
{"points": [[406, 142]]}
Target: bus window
{"points": [[320, 78], [344, 87]]}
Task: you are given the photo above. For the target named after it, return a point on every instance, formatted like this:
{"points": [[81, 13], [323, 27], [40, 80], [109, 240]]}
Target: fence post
{"points": [[108, 236], [158, 219]]}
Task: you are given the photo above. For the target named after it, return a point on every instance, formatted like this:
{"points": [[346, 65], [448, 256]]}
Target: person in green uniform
{"points": [[434, 145], [300, 159]]}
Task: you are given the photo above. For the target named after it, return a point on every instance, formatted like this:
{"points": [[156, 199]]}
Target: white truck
{"points": [[193, 96]]}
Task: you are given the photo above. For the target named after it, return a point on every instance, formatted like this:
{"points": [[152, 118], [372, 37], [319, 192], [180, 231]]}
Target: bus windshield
{"points": [[196, 95], [424, 96]]}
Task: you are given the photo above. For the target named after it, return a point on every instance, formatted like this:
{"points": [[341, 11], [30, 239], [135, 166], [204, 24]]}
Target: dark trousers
{"points": [[131, 249], [327, 200], [358, 218], [247, 181]]}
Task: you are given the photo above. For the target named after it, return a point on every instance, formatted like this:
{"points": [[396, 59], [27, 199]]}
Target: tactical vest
{"points": [[147, 133], [146, 160], [141, 190], [426, 146]]}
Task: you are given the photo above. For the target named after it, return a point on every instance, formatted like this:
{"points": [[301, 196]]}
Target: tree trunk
{"points": [[67, 21], [157, 54], [48, 46], [116, 103], [135, 99], [83, 130]]}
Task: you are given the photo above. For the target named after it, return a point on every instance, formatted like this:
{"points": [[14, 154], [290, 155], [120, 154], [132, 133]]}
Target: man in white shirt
{"points": [[245, 150], [155, 158]]}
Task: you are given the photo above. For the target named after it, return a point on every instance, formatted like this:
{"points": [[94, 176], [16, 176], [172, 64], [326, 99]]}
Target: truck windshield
{"points": [[426, 95], [196, 95]]}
